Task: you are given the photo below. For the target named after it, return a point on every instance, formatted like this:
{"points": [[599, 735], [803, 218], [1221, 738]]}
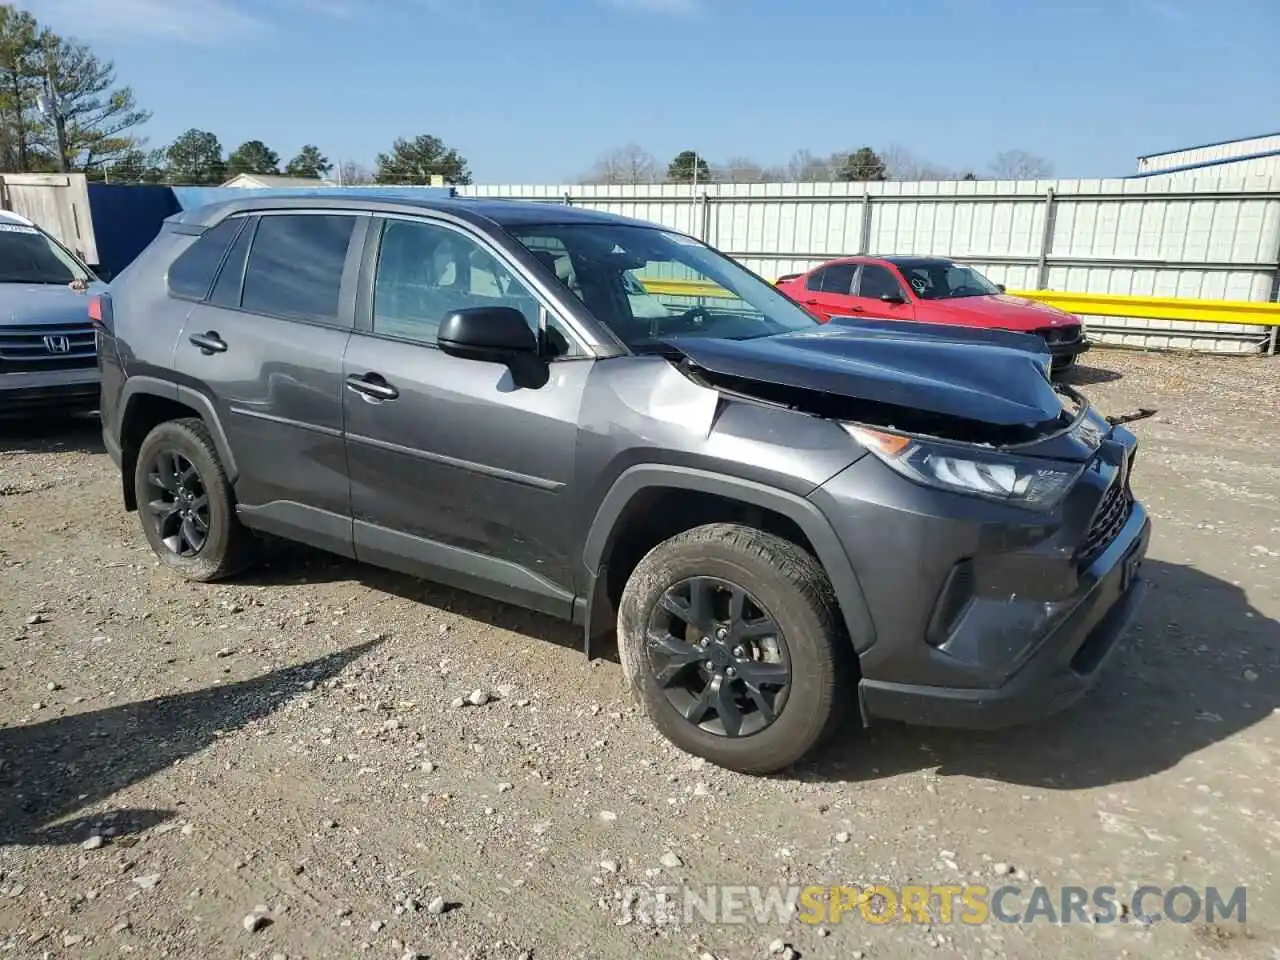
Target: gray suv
{"points": [[47, 349], [785, 521]]}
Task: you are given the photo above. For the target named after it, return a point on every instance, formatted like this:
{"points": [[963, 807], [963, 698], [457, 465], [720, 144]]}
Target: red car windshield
{"points": [[943, 280]]}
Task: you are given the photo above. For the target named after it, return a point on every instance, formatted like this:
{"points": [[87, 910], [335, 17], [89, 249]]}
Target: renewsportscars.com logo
{"points": [[970, 904]]}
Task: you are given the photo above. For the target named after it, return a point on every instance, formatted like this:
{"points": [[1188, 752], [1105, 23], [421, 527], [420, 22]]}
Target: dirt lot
{"points": [[174, 757]]}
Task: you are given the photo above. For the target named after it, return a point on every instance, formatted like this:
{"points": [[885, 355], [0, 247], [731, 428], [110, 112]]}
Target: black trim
{"points": [[802, 512], [1072, 349], [286, 421], [463, 569], [222, 261], [152, 386], [74, 397], [524, 479], [295, 521]]}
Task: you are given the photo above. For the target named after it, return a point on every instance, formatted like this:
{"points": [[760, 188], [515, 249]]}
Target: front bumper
{"points": [[1064, 667], [50, 390], [984, 614], [1072, 348]]}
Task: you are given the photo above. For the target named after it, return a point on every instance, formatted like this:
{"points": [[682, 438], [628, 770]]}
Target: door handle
{"points": [[812, 301], [372, 386], [209, 343], [857, 309]]}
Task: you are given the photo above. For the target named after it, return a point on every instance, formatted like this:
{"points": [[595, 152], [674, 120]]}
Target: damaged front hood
{"points": [[984, 376]]}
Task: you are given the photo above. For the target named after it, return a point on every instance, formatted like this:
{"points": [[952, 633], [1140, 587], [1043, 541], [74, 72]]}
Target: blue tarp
{"points": [[127, 217]]}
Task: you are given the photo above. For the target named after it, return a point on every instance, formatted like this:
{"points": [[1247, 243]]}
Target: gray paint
{"points": [[473, 478]]}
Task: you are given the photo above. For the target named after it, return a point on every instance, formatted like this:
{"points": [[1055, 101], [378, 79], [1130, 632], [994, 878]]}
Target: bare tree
{"points": [[1019, 165], [352, 174], [739, 170], [630, 164], [807, 167], [902, 164]]}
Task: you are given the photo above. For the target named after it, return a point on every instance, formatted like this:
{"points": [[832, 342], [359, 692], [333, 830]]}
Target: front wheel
{"points": [[731, 640], [186, 504]]}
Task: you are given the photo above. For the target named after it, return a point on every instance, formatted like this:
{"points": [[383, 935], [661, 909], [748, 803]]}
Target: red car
{"points": [[932, 290]]}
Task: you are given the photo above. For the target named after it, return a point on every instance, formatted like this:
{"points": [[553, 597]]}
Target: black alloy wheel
{"points": [[177, 503], [719, 657]]}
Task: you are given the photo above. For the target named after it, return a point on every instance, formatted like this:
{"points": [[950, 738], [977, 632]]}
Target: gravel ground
{"points": [[278, 767]]}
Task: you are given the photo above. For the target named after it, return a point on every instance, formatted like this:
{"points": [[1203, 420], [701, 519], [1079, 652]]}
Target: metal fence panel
{"points": [[1205, 235]]}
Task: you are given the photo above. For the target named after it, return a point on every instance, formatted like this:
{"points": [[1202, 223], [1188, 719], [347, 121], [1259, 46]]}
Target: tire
{"points": [[788, 586], [228, 547]]}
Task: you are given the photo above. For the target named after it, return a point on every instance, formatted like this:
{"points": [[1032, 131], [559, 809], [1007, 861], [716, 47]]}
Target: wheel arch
{"points": [[619, 511], [148, 401]]}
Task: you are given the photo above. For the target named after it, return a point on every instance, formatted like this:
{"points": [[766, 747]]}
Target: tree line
{"points": [[632, 164], [61, 109], [197, 158]]}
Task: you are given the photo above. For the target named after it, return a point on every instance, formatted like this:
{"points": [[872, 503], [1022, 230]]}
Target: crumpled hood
{"points": [[992, 376], [45, 303]]}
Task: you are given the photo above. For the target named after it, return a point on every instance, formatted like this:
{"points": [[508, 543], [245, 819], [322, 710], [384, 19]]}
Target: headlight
{"points": [[1015, 480]]}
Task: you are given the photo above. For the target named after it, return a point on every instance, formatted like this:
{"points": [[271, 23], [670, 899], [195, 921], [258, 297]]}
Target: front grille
{"points": [[1110, 518], [35, 347], [1060, 334]]}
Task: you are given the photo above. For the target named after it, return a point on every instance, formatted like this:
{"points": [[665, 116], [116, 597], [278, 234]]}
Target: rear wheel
{"points": [[730, 639], [186, 504]]}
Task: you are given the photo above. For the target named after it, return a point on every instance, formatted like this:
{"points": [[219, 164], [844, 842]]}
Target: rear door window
{"points": [[877, 282], [295, 266], [191, 275], [837, 279]]}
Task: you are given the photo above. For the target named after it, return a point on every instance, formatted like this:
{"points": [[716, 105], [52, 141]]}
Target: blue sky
{"points": [[531, 91]]}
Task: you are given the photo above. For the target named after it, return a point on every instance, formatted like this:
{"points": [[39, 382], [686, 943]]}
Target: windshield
{"points": [[646, 284], [943, 280], [29, 256]]}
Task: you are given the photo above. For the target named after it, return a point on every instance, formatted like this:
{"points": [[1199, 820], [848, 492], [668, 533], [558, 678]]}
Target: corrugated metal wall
{"points": [[1207, 236], [1209, 153]]}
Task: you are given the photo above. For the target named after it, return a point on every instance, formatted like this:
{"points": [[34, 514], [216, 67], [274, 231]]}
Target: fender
{"points": [[153, 386], [803, 513]]}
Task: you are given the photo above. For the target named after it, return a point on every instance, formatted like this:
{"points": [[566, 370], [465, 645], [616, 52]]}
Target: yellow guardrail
{"points": [[1256, 312]]}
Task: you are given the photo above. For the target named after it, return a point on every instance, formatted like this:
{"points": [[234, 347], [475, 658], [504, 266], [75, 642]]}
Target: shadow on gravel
{"points": [[295, 563], [1198, 666], [1082, 376], [52, 769], [71, 433]]}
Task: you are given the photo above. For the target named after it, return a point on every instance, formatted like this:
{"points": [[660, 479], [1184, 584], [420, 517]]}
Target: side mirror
{"points": [[492, 334], [1001, 287], [893, 298]]}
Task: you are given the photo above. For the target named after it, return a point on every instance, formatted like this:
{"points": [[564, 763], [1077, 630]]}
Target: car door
{"points": [[878, 293], [458, 473], [265, 346], [828, 291]]}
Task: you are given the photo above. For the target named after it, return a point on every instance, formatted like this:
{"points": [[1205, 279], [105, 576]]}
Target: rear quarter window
{"points": [[191, 274], [295, 266]]}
